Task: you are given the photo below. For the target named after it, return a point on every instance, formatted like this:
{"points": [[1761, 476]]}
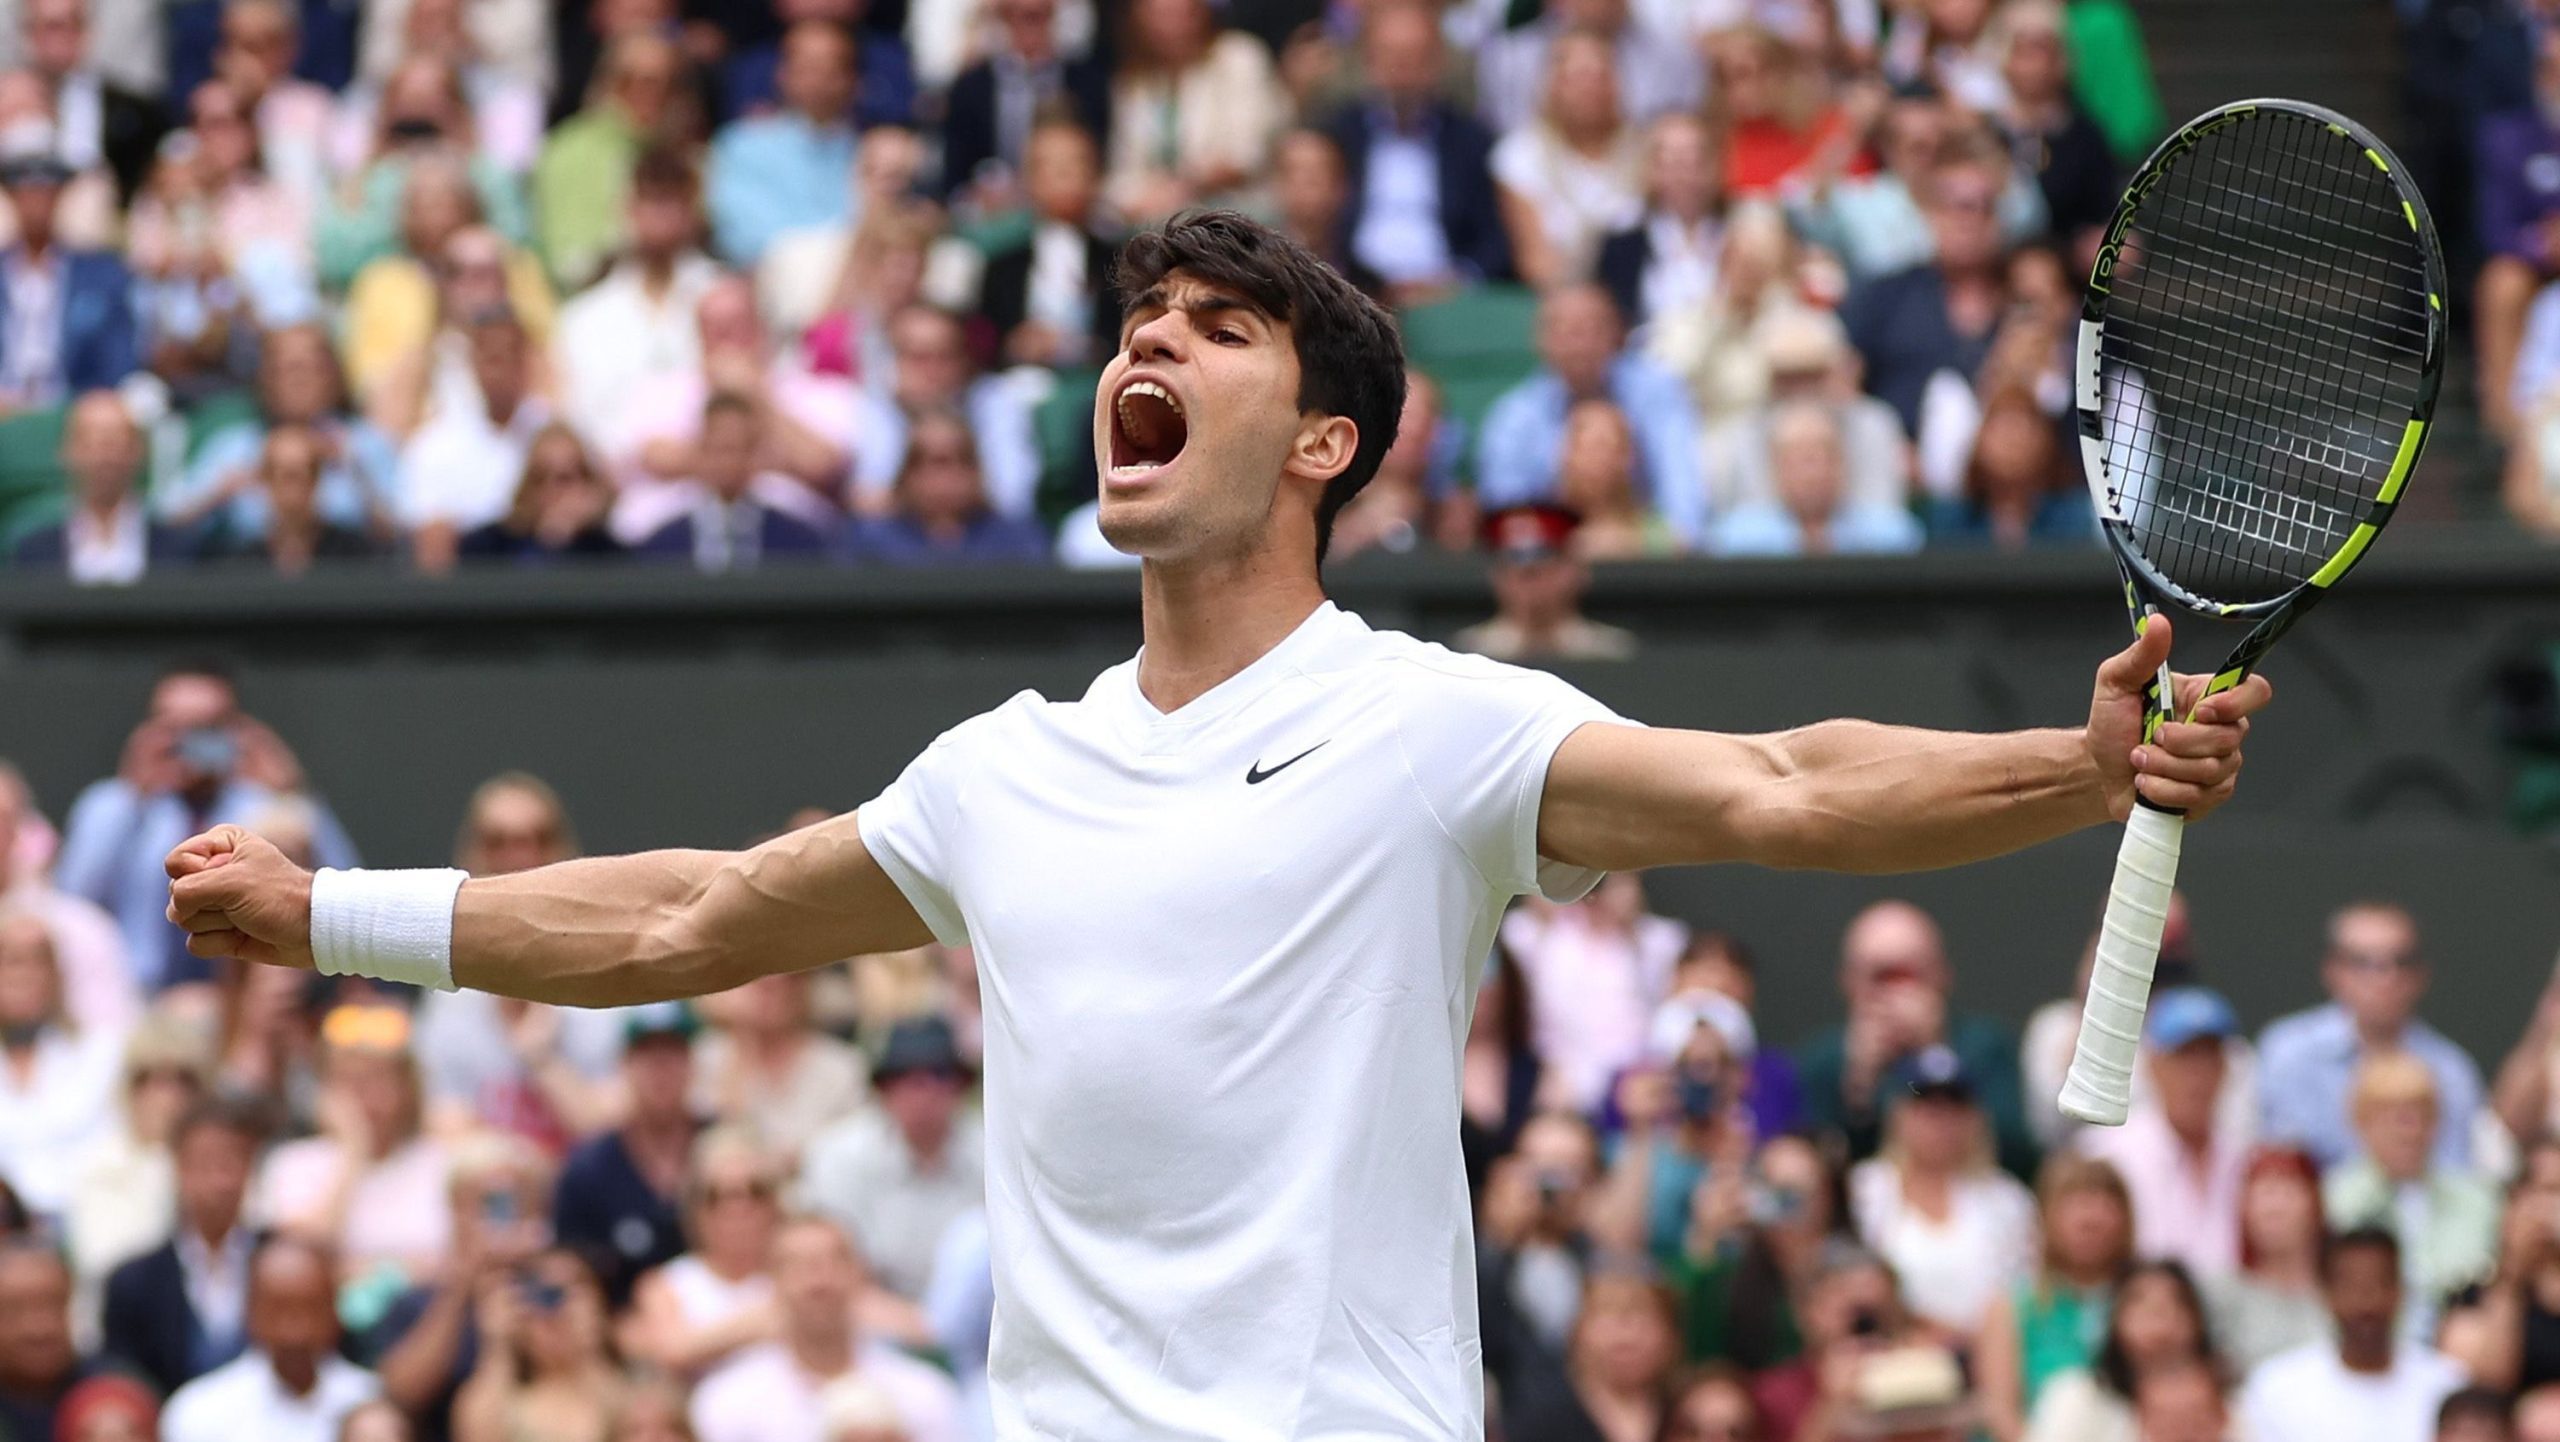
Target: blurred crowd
{"points": [[242, 1202], [728, 283]]}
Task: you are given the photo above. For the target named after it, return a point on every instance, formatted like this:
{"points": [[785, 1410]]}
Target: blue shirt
{"points": [[352, 487], [1522, 449], [1765, 528], [1899, 325], [2306, 1086], [897, 541], [776, 173], [112, 847]]}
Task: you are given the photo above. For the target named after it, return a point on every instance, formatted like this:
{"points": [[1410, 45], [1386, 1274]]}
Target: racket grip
{"points": [[2099, 1090]]}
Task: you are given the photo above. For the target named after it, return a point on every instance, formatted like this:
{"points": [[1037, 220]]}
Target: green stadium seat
{"points": [[215, 414], [32, 481], [1476, 345], [1063, 426]]}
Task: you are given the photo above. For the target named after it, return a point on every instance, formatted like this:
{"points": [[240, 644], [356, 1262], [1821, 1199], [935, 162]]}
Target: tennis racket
{"points": [[2258, 356]]}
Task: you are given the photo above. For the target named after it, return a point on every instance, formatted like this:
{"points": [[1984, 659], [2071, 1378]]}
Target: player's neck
{"points": [[1206, 620]]}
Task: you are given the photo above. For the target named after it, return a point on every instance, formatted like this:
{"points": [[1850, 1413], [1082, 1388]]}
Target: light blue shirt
{"points": [[112, 847], [1400, 236], [1875, 227], [1522, 448], [1764, 528], [352, 487], [2306, 1086], [776, 173], [960, 1306]]}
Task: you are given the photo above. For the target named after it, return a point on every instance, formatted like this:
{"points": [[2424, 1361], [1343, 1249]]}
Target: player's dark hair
{"points": [[1350, 358], [2337, 1245]]}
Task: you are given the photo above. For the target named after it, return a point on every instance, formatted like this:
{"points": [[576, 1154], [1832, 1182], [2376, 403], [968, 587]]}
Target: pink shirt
{"points": [[1594, 990], [2181, 1209], [669, 407], [98, 988], [399, 1214]]}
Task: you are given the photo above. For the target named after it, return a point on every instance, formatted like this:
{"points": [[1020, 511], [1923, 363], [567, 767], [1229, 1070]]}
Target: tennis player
{"points": [[1229, 907]]}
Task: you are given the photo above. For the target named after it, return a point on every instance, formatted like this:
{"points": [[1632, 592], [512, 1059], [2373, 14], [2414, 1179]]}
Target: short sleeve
{"points": [[1478, 748], [908, 830]]}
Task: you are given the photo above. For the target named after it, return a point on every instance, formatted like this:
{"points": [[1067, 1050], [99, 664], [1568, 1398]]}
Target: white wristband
{"points": [[388, 925]]}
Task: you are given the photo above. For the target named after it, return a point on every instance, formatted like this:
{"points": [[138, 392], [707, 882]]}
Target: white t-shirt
{"points": [[1228, 959], [1951, 1270], [242, 1399], [2307, 1395]]}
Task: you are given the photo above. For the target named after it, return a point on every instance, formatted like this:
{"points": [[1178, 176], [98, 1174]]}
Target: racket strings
{"points": [[2261, 352]]}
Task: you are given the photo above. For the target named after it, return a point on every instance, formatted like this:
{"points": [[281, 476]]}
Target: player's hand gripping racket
{"points": [[2259, 350]]}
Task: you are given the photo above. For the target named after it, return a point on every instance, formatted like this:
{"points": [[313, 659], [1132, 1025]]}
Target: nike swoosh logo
{"points": [[1254, 775]]}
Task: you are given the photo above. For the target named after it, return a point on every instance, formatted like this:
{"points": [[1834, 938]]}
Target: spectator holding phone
{"points": [[544, 1370], [1686, 1119], [1534, 1245], [429, 1342], [1754, 1243], [196, 760]]}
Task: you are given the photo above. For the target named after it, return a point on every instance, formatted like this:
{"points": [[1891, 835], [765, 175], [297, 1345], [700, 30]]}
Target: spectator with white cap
{"points": [[2182, 1156], [1686, 1119]]}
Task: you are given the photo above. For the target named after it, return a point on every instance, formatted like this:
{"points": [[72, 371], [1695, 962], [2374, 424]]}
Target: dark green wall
{"points": [[679, 710]]}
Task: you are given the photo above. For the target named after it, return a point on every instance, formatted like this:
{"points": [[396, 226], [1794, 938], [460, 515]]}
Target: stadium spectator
{"points": [[790, 168], [1658, 72], [2365, 1386], [98, 122], [994, 105], [1750, 1252], [298, 534], [2501, 1331], [427, 1342], [1874, 222], [2050, 134], [1535, 1244], [931, 371], [1570, 175], [885, 89], [2519, 200], [106, 536], [561, 509], [196, 759], [371, 1186], [939, 512], [767, 1064], [813, 429], [1717, 963], [1814, 512], [728, 526], [2020, 487], [718, 1295], [66, 314], [2273, 1302], [621, 1190], [1423, 213], [1311, 191], [460, 470], [831, 288], [2181, 1156], [1756, 337], [1596, 480], [39, 1362], [99, 989], [108, 1408], [220, 246], [1414, 500], [770, 1392], [1597, 969], [177, 1311], [514, 34], [1772, 104], [290, 1385], [1521, 451], [422, 118], [2157, 1320], [1850, 1307], [258, 56], [120, 1191], [404, 316], [2375, 971], [299, 384], [2446, 1219], [1933, 1202], [585, 210], [2478, 1414], [1050, 300], [1666, 262], [1617, 1366], [2050, 1322], [1895, 977], [2522, 1094], [1688, 1128], [1938, 316], [57, 1081], [505, 103], [545, 1369], [897, 1175], [636, 322], [85, 215], [1537, 593], [1194, 110]]}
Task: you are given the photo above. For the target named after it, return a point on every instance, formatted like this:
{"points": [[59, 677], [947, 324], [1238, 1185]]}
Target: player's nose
{"points": [[1166, 337]]}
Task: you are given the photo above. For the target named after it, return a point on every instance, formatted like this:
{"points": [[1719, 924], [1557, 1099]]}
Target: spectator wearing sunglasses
{"points": [[717, 1298]]}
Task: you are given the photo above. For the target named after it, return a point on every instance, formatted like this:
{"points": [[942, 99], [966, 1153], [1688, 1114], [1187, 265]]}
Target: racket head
{"points": [[2260, 347]]}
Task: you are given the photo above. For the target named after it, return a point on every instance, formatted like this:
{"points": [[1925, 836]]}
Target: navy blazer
{"points": [[1004, 290], [150, 1323], [1620, 270], [98, 347], [50, 546], [1470, 209], [779, 535], [969, 114]]}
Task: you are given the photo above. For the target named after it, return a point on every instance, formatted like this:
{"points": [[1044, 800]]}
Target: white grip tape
{"points": [[388, 925], [2100, 1088]]}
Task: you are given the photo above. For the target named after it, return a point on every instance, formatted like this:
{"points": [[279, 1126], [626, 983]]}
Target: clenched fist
{"points": [[237, 895]]}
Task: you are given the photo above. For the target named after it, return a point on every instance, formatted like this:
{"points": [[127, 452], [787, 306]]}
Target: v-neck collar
{"points": [[1223, 699]]}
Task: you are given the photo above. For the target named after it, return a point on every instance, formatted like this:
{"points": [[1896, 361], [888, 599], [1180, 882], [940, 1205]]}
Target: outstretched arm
{"points": [[1855, 796], [608, 931]]}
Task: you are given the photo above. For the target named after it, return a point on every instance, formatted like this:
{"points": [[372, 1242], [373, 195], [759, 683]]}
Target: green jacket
{"points": [[2111, 72], [580, 185], [2460, 1243], [1990, 1053]]}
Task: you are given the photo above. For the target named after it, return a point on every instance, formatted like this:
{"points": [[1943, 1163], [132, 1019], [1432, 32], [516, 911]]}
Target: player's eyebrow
{"points": [[1200, 304]]}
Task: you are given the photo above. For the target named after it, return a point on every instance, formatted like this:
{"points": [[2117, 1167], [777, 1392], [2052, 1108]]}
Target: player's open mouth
{"points": [[1147, 429]]}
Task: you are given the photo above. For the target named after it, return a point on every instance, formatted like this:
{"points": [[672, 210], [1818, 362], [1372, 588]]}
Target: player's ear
{"points": [[1324, 447]]}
